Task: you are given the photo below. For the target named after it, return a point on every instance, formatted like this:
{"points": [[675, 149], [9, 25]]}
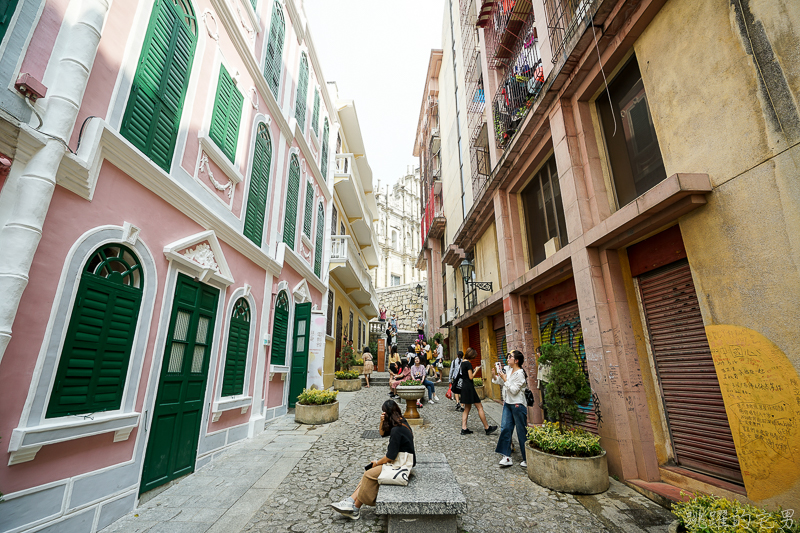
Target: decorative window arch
{"points": [[292, 198], [259, 186], [238, 349], [323, 162], [318, 246], [273, 60], [153, 113], [94, 361], [280, 329], [302, 93]]}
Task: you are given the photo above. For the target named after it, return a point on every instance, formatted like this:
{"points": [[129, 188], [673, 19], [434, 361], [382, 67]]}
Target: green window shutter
{"points": [[273, 62], [259, 187], [7, 9], [236, 355], [280, 330], [227, 113], [302, 93], [323, 162], [254, 2], [94, 361], [292, 197], [154, 107], [315, 113], [318, 245], [309, 212]]}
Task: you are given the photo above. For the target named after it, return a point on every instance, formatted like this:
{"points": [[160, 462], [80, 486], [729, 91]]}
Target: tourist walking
{"points": [[439, 362], [469, 395], [515, 408], [420, 328], [401, 439], [455, 370], [368, 366]]}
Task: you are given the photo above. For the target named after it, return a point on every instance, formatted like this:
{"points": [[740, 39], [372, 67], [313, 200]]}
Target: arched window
{"points": [[273, 62], [259, 186], [93, 364], [302, 93], [338, 331], [394, 240], [236, 354], [315, 113], [159, 86], [309, 210], [318, 246], [323, 162], [280, 329], [350, 330], [329, 325], [292, 197]]}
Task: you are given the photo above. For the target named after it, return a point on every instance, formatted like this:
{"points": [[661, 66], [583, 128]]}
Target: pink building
{"points": [[163, 242]]}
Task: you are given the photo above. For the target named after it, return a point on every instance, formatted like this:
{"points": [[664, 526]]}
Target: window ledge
{"points": [[25, 443], [306, 240], [278, 369], [208, 145], [229, 404]]}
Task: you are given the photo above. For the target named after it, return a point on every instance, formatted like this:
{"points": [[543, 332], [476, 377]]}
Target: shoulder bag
{"points": [[396, 472], [529, 399]]}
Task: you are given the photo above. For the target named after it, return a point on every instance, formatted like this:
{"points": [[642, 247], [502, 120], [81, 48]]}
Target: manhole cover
{"points": [[371, 434]]}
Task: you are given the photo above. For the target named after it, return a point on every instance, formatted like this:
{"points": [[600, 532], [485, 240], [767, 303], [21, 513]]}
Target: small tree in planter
{"points": [[568, 386], [346, 357], [346, 380]]}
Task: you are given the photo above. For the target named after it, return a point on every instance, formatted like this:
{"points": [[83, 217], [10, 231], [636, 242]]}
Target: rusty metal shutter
{"points": [[475, 343], [562, 325], [695, 410]]}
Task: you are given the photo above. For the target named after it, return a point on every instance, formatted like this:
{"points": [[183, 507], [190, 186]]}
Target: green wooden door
{"points": [[302, 325], [178, 412]]}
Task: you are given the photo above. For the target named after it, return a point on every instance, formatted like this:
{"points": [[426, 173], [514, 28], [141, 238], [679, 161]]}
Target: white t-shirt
{"points": [[439, 353]]}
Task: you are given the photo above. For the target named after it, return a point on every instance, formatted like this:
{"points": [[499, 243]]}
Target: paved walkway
{"points": [[283, 480]]}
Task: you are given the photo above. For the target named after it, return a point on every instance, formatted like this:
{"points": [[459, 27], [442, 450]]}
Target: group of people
{"points": [[419, 364], [391, 325], [511, 378]]}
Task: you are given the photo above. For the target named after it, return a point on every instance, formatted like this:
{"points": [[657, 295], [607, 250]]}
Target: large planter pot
{"points": [[316, 414], [411, 395], [576, 475], [676, 527], [347, 385], [359, 369], [481, 392]]}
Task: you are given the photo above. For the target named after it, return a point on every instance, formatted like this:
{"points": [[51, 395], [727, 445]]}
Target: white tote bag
{"points": [[396, 472]]}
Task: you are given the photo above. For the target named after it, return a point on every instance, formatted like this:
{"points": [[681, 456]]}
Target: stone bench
{"points": [[429, 503]]}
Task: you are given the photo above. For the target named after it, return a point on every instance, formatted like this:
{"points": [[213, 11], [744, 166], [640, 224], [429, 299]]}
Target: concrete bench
{"points": [[430, 503]]}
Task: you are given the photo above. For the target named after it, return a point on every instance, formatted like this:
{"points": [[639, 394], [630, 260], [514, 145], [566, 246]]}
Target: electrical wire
{"points": [[605, 81]]}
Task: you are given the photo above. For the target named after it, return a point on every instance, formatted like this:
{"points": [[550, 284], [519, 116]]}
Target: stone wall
{"points": [[403, 300]]}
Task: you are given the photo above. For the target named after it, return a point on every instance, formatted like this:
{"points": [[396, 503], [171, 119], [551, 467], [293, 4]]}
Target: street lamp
{"points": [[467, 269], [419, 292]]}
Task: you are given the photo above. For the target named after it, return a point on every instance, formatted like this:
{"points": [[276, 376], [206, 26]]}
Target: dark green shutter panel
{"points": [[273, 62], [254, 3], [236, 355], [315, 113], [302, 93], [280, 329], [227, 113], [7, 9], [318, 245], [259, 187], [94, 361], [309, 210], [292, 197], [154, 108], [323, 162]]}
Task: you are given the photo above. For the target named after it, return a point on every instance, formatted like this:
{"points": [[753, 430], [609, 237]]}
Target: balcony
{"points": [[563, 19], [433, 220], [519, 87], [356, 205], [505, 29], [436, 141], [347, 267]]}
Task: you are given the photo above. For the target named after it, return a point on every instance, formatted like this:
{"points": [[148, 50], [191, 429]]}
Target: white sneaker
{"points": [[524, 464], [432, 400], [436, 398], [346, 507], [506, 462]]}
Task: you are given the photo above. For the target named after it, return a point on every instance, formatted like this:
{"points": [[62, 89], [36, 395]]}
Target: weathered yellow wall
{"points": [[711, 116], [487, 261], [340, 300]]}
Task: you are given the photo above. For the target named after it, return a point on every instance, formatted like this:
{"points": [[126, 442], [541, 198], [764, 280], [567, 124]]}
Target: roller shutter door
{"points": [[502, 347], [562, 325], [695, 410]]}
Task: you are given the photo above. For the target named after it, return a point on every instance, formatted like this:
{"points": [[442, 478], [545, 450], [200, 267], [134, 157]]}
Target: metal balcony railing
{"points": [[563, 19], [505, 29], [433, 214], [519, 88]]}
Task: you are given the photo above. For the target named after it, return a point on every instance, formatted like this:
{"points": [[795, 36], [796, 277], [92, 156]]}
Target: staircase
{"points": [[379, 379], [404, 340]]}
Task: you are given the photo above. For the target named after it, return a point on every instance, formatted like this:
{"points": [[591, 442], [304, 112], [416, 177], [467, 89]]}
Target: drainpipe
{"points": [[20, 237]]}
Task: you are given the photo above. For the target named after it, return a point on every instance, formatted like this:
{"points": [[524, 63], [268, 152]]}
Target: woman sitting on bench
{"points": [[401, 439]]}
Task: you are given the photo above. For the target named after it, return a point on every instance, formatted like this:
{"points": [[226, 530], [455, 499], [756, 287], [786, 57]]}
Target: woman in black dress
{"points": [[469, 396]]}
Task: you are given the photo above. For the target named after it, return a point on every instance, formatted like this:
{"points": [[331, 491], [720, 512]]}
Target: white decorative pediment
{"points": [[202, 255], [301, 293]]}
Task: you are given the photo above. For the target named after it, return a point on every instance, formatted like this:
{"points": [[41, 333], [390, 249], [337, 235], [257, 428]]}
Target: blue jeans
{"points": [[514, 415], [431, 388]]}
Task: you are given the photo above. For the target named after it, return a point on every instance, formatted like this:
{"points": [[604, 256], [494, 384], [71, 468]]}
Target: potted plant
{"points": [[316, 406], [358, 366], [710, 513], [560, 457], [346, 381], [478, 382], [411, 390]]}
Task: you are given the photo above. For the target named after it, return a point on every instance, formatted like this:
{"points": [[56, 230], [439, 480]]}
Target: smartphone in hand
{"points": [[368, 467]]}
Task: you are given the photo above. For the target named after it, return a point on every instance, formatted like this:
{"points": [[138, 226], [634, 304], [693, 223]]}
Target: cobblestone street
{"points": [[284, 480]]}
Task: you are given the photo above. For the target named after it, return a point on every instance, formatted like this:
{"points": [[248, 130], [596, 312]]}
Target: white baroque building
{"points": [[399, 231]]}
